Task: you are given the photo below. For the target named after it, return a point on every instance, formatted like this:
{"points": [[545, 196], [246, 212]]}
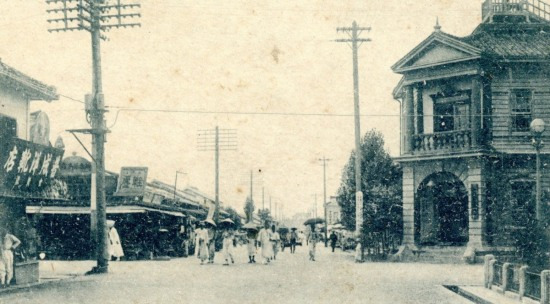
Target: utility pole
{"points": [[354, 41], [95, 16], [324, 160], [263, 199], [270, 204], [215, 140]]}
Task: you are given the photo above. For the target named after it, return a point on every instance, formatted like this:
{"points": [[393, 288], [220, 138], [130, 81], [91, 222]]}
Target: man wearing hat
{"points": [[211, 228]]}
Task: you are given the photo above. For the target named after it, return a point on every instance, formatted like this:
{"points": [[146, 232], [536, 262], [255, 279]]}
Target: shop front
{"points": [[28, 173]]}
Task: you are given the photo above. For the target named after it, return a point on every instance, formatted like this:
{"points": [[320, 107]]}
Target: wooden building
{"points": [[29, 165], [466, 147]]}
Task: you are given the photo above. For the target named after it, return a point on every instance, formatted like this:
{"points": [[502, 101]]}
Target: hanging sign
{"points": [[132, 181], [26, 166]]}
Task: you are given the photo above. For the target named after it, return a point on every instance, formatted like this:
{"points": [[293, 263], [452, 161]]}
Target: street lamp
{"points": [[537, 128]]}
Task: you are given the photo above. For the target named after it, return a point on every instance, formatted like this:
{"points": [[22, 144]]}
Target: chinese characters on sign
{"points": [[26, 166], [132, 181]]}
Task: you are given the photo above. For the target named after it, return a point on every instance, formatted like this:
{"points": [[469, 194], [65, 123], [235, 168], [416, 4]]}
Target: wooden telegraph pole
{"points": [[95, 16], [216, 140], [354, 41], [324, 160]]}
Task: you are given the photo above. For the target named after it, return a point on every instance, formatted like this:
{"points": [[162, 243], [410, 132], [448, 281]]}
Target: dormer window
{"points": [[520, 110]]}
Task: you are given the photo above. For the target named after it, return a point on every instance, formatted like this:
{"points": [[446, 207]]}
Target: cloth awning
{"points": [[86, 210]]}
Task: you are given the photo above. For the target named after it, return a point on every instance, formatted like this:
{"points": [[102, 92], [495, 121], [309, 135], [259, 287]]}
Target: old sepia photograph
{"points": [[275, 151]]}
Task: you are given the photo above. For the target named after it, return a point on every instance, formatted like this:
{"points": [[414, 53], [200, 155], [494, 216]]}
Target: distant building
{"points": [[333, 211], [466, 108]]}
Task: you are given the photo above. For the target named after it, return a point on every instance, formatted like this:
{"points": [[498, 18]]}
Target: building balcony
{"points": [[529, 8], [449, 141]]}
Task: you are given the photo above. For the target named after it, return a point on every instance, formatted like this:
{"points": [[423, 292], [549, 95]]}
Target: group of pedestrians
{"points": [[205, 242], [264, 243], [269, 241]]}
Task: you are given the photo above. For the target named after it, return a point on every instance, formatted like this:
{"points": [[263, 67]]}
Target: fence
{"points": [[497, 274], [532, 285], [508, 277], [513, 279]]}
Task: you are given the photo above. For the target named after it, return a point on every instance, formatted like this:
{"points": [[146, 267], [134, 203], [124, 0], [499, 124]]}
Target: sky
{"points": [[270, 70]]}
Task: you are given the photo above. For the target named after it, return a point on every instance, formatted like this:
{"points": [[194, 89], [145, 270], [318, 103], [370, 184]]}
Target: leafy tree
{"points": [[249, 209], [511, 218], [234, 216], [382, 192], [265, 215]]}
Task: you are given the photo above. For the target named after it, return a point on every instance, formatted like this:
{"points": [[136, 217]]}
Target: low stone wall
{"points": [[26, 272]]}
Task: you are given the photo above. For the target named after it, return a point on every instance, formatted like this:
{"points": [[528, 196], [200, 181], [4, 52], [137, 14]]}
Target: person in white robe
{"points": [[115, 246], [227, 248], [202, 240], [9, 244], [264, 237], [251, 246]]}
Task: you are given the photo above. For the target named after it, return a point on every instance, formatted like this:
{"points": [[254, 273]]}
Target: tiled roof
{"points": [[34, 88], [512, 42]]}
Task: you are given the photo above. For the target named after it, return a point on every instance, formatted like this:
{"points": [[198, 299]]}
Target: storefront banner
{"points": [[132, 181], [26, 166]]}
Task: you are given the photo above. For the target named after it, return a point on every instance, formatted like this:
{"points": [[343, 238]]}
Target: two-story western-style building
{"points": [[466, 147]]}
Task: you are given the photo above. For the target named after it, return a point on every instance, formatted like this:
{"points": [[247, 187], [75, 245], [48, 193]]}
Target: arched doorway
{"points": [[441, 209]]}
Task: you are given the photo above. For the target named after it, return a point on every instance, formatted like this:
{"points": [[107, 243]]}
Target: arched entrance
{"points": [[441, 211]]}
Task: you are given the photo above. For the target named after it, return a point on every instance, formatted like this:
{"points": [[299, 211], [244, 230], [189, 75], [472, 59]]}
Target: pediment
{"points": [[438, 49]]}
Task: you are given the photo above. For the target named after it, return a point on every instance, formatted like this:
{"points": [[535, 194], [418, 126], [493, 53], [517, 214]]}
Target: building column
{"points": [[408, 242], [408, 119], [476, 184], [475, 111], [419, 109]]}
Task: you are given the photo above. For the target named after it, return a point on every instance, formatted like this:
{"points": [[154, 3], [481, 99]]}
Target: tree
{"points": [[249, 209], [234, 216], [382, 193], [265, 215]]}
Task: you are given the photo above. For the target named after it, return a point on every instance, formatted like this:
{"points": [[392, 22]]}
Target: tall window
{"points": [[451, 112], [520, 110], [451, 117]]}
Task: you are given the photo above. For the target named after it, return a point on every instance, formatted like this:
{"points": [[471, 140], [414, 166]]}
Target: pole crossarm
{"points": [[92, 14]]}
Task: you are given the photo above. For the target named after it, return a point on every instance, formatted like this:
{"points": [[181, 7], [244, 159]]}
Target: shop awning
{"points": [[86, 210]]}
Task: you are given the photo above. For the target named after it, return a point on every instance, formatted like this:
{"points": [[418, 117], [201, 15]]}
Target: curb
{"points": [[38, 285]]}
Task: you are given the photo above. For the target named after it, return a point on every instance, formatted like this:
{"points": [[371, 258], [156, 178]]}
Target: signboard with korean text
{"points": [[132, 181], [26, 166]]}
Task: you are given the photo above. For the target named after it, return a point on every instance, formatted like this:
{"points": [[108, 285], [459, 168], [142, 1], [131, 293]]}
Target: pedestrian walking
{"points": [[115, 246], [202, 241], [264, 237], [275, 240], [9, 244], [211, 229], [312, 244], [333, 239], [228, 238], [251, 246], [293, 240]]}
